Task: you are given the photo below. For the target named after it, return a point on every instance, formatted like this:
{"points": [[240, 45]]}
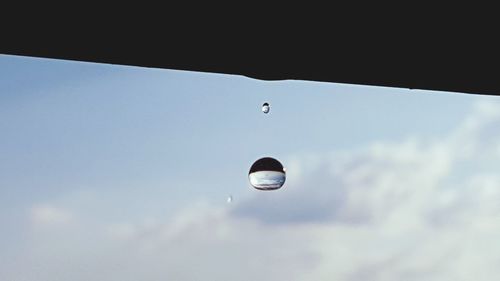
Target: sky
{"points": [[112, 172]]}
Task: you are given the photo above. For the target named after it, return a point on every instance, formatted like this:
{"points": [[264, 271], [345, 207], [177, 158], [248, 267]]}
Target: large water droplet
{"points": [[265, 107], [267, 174]]}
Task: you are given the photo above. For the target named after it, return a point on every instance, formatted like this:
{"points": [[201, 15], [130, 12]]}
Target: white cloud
{"points": [[45, 214], [420, 209]]}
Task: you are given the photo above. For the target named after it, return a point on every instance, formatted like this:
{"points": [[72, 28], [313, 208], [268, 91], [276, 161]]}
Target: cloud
{"points": [[418, 209], [364, 186], [46, 214]]}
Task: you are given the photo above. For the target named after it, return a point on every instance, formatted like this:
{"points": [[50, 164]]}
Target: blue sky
{"points": [[82, 125], [99, 145]]}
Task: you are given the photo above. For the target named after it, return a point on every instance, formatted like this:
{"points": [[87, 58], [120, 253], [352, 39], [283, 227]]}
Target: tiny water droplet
{"points": [[229, 199], [265, 107], [267, 174]]}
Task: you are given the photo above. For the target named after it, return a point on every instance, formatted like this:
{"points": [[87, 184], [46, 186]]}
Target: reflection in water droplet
{"points": [[265, 107], [267, 174]]}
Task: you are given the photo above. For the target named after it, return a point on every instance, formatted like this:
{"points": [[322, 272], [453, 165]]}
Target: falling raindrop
{"points": [[267, 174], [265, 107]]}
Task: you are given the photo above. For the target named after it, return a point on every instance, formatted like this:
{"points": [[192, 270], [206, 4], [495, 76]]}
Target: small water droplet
{"points": [[267, 174], [266, 108], [229, 199]]}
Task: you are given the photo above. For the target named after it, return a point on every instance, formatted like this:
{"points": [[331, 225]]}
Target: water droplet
{"points": [[229, 199], [267, 174], [265, 107]]}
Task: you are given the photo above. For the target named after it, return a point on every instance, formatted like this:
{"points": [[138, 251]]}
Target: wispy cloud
{"points": [[46, 214]]}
